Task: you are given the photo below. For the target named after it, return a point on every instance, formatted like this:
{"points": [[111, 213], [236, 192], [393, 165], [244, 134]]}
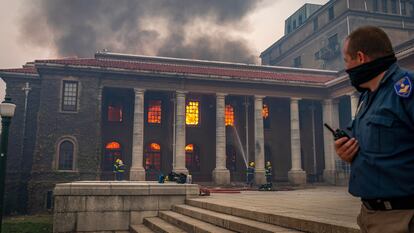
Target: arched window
{"points": [[152, 160], [231, 158], [192, 158], [112, 150], [66, 154]]}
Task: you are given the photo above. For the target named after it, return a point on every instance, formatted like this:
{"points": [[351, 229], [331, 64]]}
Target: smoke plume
{"points": [[197, 29]]}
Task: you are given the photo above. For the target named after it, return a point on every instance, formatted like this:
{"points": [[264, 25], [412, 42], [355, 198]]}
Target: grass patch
{"points": [[28, 224]]}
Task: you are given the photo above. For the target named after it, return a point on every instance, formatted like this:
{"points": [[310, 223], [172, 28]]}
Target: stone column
{"points": [[179, 165], [296, 175], [137, 171], [221, 175], [331, 117], [354, 103], [259, 175]]}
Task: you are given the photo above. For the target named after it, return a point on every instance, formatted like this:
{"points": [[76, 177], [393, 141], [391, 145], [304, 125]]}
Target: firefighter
{"points": [[250, 174], [268, 173], [119, 169]]}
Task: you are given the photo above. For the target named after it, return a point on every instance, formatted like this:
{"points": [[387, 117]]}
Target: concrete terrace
{"points": [[323, 205]]}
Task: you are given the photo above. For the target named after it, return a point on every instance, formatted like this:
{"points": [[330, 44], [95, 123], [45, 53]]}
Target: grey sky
{"points": [[261, 24]]}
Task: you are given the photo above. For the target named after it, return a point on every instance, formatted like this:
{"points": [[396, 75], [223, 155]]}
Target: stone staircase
{"points": [[195, 216]]}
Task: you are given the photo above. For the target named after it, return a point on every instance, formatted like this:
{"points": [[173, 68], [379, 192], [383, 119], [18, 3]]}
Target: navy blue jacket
{"points": [[384, 128]]}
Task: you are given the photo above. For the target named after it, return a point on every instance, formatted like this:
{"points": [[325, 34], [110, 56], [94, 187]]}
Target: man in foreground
{"points": [[381, 150]]}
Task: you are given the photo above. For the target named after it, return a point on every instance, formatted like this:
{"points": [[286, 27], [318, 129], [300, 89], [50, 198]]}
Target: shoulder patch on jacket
{"points": [[404, 86]]}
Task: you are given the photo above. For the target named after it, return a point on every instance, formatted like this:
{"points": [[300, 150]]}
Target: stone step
{"points": [[288, 220], [140, 228], [159, 225], [229, 222], [190, 224]]}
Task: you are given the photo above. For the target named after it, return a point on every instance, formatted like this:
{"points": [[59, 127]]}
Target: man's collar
{"points": [[389, 72]]}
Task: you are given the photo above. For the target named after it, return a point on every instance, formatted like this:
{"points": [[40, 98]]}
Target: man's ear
{"points": [[362, 57]]}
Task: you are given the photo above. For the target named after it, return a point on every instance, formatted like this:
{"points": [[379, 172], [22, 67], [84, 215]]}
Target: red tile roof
{"points": [[25, 70], [254, 73]]}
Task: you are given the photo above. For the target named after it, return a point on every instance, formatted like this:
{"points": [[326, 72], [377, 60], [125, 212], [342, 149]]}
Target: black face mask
{"points": [[367, 71]]}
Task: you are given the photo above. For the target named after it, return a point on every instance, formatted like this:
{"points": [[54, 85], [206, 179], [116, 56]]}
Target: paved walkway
{"points": [[327, 204]]}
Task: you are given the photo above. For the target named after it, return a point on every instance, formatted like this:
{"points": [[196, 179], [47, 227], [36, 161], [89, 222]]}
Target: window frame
{"points": [[62, 102], [198, 116], [56, 161], [384, 6], [122, 113], [375, 5], [297, 62], [394, 6], [403, 7], [148, 111], [227, 114], [331, 13], [315, 24]]}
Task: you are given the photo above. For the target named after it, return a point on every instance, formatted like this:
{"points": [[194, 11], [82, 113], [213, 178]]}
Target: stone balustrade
{"points": [[102, 206]]}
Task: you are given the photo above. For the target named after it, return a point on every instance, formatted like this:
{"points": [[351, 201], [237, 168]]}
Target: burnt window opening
{"points": [[70, 96], [66, 150], [266, 117], [231, 158], [229, 115], [152, 161], [154, 111], [192, 113], [115, 113], [113, 150], [192, 158]]}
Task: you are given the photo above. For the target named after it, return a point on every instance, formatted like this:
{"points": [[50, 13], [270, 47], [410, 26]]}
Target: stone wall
{"points": [[83, 126], [113, 206]]}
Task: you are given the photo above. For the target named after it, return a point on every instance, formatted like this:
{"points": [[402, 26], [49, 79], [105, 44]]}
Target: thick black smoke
{"points": [[199, 29]]}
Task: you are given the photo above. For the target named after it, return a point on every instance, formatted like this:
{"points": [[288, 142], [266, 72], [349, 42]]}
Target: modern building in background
{"points": [[314, 41], [300, 17]]}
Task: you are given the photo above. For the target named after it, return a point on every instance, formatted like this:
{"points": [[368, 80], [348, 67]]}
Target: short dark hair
{"points": [[370, 40]]}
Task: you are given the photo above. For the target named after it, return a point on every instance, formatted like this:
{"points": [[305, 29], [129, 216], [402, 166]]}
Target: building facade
{"points": [[209, 119], [316, 43]]}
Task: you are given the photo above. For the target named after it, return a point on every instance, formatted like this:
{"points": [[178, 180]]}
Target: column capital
{"points": [[259, 97], [220, 94], [180, 92], [330, 101], [138, 90], [295, 99]]}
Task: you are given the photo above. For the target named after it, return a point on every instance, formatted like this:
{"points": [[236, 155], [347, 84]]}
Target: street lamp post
{"points": [[7, 112]]}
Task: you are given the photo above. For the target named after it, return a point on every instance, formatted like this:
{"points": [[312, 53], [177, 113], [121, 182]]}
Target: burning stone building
{"points": [[159, 115]]}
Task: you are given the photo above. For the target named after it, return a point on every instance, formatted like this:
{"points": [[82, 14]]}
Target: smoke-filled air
{"points": [[195, 29]]}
